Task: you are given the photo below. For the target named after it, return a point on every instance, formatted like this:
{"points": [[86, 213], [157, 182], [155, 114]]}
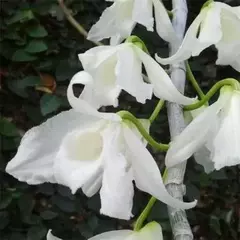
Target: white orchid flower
{"points": [[215, 131], [118, 20], [51, 237], [152, 231], [82, 148], [217, 24], [116, 68]]}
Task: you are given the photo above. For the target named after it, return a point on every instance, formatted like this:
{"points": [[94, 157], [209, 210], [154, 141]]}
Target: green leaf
{"points": [[26, 204], [36, 233], [215, 224], [36, 46], [48, 215], [49, 103], [10, 143], [65, 204], [5, 219], [21, 56], [7, 128], [65, 70], [20, 86], [21, 16], [5, 200], [37, 31]]}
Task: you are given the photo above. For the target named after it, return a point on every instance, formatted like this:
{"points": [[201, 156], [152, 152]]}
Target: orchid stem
{"points": [[156, 111], [193, 81], [125, 115], [74, 23], [143, 216], [228, 81]]}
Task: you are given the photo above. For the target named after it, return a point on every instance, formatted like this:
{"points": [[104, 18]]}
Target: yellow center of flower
{"points": [[87, 146]]}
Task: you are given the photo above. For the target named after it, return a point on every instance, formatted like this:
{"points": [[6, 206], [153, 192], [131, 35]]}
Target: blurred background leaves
{"points": [[38, 50]]}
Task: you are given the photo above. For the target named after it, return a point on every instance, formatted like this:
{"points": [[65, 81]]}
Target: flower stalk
{"points": [[125, 115], [228, 81]]}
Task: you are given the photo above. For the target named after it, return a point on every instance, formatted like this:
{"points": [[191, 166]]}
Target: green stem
{"points": [[156, 110], [228, 81], [143, 216], [193, 80], [74, 23], [125, 115]]}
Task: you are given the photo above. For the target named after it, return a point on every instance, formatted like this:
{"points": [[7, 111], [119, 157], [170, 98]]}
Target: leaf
{"points": [[10, 143], [36, 31], [36, 233], [5, 200], [19, 86], [36, 46], [26, 204], [65, 70], [65, 204], [5, 219], [7, 128], [21, 56], [215, 224], [48, 215], [21, 16], [49, 103]]}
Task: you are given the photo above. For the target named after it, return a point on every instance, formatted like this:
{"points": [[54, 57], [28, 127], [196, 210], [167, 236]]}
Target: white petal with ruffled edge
{"points": [[164, 26], [113, 235], [79, 159], [226, 151], [117, 186], [162, 85], [129, 74], [142, 13], [196, 134], [116, 22], [51, 237], [146, 173], [36, 154]]}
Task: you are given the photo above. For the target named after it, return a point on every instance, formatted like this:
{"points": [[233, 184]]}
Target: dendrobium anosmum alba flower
{"points": [[83, 148], [152, 231], [217, 24], [215, 131], [118, 20], [116, 68]]}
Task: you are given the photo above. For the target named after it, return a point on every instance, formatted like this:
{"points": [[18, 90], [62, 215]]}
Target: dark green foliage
{"points": [[38, 49]]}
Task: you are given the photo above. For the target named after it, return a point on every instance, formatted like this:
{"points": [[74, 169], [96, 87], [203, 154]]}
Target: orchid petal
{"points": [[190, 42], [115, 21], [210, 30], [51, 237], [113, 235], [117, 187], [146, 173], [129, 75], [151, 231], [79, 159], [142, 13], [196, 134], [36, 154], [203, 157], [83, 106], [162, 84], [226, 144], [163, 23]]}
